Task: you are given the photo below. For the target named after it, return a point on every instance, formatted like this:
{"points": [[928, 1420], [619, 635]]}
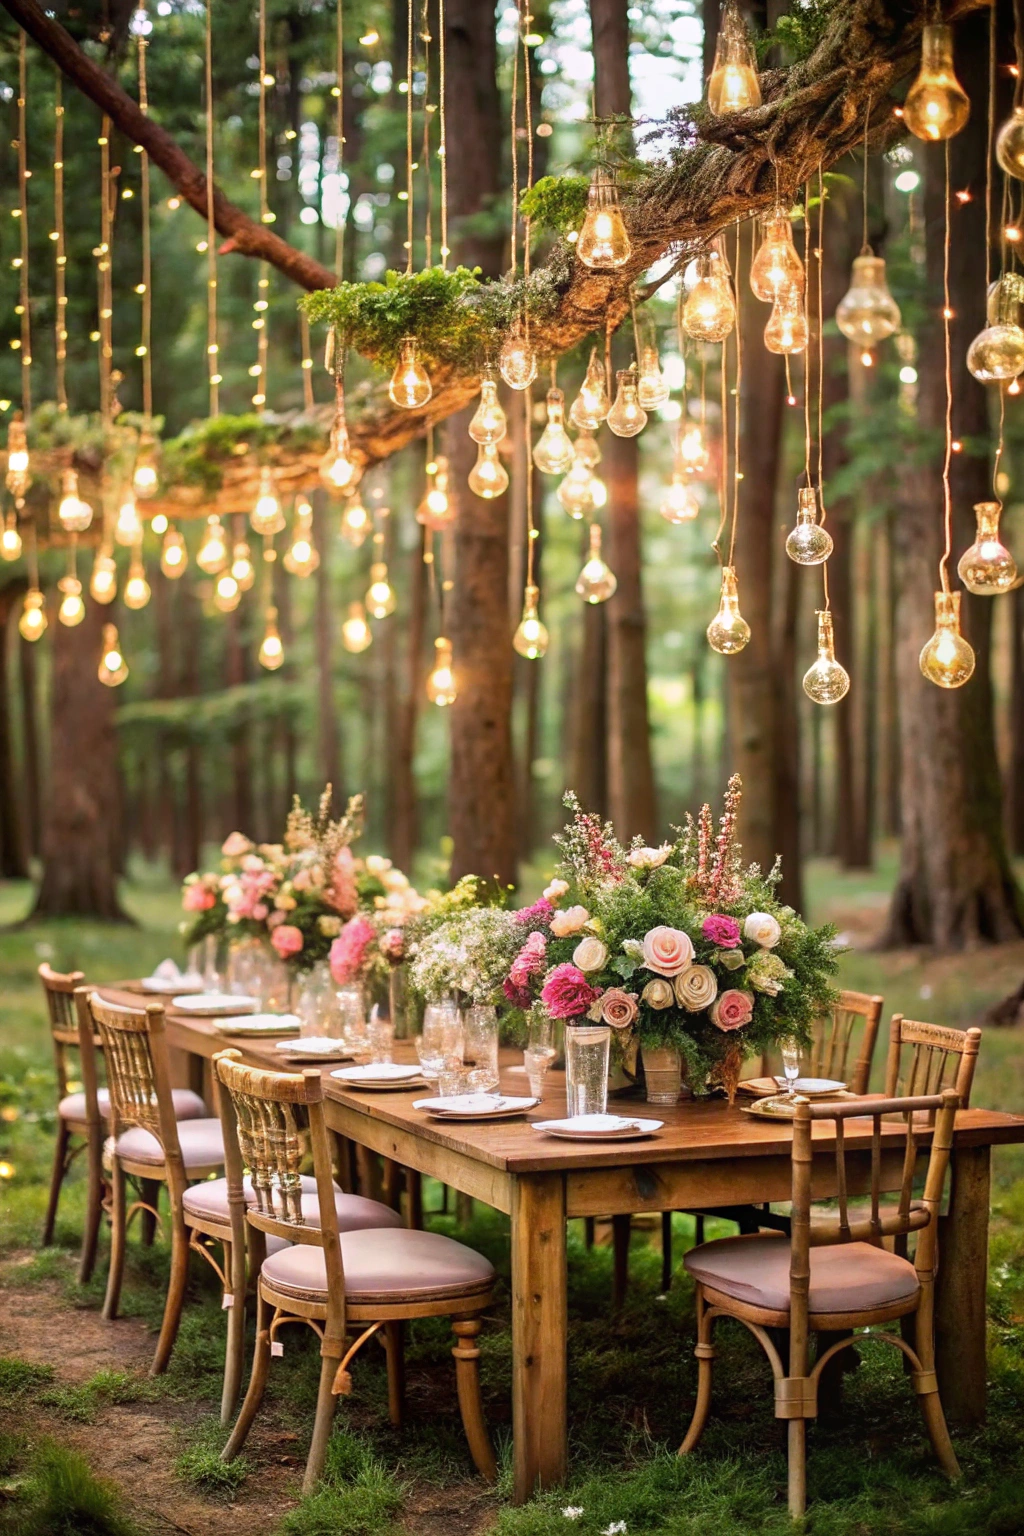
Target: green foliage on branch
{"points": [[556, 203], [198, 455], [439, 308]]}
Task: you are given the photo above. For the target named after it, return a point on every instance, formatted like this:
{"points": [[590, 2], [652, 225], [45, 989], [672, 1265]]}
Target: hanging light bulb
{"points": [[947, 660], [786, 332], [591, 405], [997, 352], [10, 538], [410, 385], [72, 608], [112, 669], [596, 583], [517, 361], [128, 527], [691, 451], [159, 522], [441, 688], [356, 634], [652, 386], [437, 510], [603, 243], [74, 513], [103, 581], [17, 478], [226, 593], [144, 475], [728, 631], [554, 453], [531, 638], [587, 450], [987, 567], [338, 469], [32, 619], [242, 568], [733, 85], [1010, 144], [808, 543], [576, 492], [301, 557], [488, 477], [937, 106], [173, 554], [627, 416], [213, 551], [488, 424], [271, 651], [867, 312], [136, 588], [380, 595], [776, 265], [266, 516], [709, 313], [825, 681], [355, 521], [679, 504]]}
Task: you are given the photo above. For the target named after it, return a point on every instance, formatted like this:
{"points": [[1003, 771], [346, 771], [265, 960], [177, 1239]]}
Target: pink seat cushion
{"points": [[845, 1277], [202, 1145], [383, 1265], [187, 1105], [210, 1200]]}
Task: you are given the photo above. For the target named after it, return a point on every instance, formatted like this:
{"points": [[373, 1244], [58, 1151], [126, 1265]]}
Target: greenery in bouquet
{"points": [[461, 945]]}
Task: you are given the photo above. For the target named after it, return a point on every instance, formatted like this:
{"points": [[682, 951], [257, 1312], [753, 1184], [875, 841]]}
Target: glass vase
{"points": [[480, 1045], [316, 1003], [202, 961]]}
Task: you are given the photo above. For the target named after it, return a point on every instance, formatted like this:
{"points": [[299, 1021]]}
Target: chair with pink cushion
{"points": [[337, 1282], [833, 1274]]}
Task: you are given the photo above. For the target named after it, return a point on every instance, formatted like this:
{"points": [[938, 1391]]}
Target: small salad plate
{"points": [[256, 1026], [314, 1048], [380, 1074], [599, 1127], [213, 1004], [476, 1106]]}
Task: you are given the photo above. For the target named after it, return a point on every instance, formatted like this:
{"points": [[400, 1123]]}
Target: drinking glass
{"points": [[454, 1079], [317, 1003], [354, 1030], [790, 1049], [202, 959], [441, 1039], [540, 1049], [381, 1036], [586, 1069], [480, 1046]]}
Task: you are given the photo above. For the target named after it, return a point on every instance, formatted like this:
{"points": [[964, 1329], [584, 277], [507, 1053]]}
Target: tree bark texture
{"points": [[403, 820], [13, 830], [329, 750]]}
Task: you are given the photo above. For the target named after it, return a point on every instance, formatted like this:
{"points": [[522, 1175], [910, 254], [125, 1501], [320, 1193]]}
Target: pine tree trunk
{"points": [[403, 822], [13, 849], [329, 752]]}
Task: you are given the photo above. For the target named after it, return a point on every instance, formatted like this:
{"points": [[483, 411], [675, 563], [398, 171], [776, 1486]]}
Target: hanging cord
{"points": [[60, 332], [989, 147], [947, 315], [23, 175], [443, 148], [262, 305], [807, 352], [736, 472], [528, 109], [104, 277], [531, 531], [820, 261], [428, 232], [308, 400], [865, 247], [339, 131], [146, 286], [408, 138], [515, 158], [1018, 49], [212, 349]]}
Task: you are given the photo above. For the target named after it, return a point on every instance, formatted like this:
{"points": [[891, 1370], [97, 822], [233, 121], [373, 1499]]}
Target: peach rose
{"points": [[658, 993], [556, 889], [667, 951], [732, 1009], [569, 921], [234, 845], [590, 954], [618, 1008]]}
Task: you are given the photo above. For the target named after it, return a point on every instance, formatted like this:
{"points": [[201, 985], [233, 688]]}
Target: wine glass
{"points": [[540, 1050], [790, 1049]]}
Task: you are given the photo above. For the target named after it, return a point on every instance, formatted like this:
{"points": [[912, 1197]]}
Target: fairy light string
{"points": [[145, 289], [212, 345], [409, 163], [60, 333], [819, 257], [339, 133], [428, 110], [737, 474], [513, 254], [947, 315], [442, 152], [104, 280], [807, 350], [23, 309], [262, 304]]}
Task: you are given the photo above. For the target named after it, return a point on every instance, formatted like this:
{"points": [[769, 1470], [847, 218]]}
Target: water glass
{"points": [[790, 1049], [381, 1034], [480, 1046], [454, 1079], [441, 1039], [202, 960], [540, 1049], [586, 1069], [317, 1004], [354, 1029]]}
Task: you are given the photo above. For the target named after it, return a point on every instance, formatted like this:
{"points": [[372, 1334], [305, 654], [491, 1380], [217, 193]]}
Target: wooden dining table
{"points": [[708, 1154]]}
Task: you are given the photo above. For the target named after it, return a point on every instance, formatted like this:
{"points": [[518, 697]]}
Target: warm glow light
{"points": [[867, 312], [441, 688], [72, 608], [488, 424], [591, 405], [32, 619], [709, 313], [553, 453], [488, 477], [596, 582], [733, 85], [603, 243], [937, 106], [266, 516], [173, 554], [356, 634], [302, 558], [808, 543], [627, 416], [437, 510], [355, 521], [380, 595], [112, 669], [136, 588], [74, 513], [410, 385], [213, 551], [987, 567], [128, 528], [10, 539], [517, 361], [103, 581], [271, 651], [531, 638], [825, 681], [947, 660], [728, 631], [242, 568]]}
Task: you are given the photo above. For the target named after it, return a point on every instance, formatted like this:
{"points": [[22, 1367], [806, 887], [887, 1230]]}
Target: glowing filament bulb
{"points": [[301, 557], [554, 453], [355, 521], [776, 265], [113, 668], [997, 353], [652, 386], [596, 582], [709, 313], [517, 361], [825, 681], [937, 106], [679, 504], [103, 581], [867, 312], [410, 385], [266, 516], [271, 651], [242, 568], [603, 243], [128, 528], [136, 588], [226, 593], [692, 451], [213, 551], [786, 332], [10, 538], [441, 688], [488, 424], [437, 510], [380, 595], [32, 619], [733, 85], [808, 543], [144, 475], [531, 638], [587, 451], [338, 469], [356, 634], [488, 477], [728, 631], [591, 405], [74, 513], [947, 660], [72, 608], [987, 567], [1010, 144], [627, 416], [17, 478], [576, 492]]}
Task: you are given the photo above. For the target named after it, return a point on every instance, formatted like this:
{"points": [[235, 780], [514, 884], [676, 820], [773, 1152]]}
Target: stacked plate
{"points": [[213, 1005], [599, 1127], [257, 1026], [380, 1075], [475, 1106], [314, 1048]]}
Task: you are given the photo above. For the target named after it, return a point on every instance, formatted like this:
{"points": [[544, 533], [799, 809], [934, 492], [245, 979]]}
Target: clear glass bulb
{"points": [[937, 106], [301, 558], [776, 265], [17, 478], [1010, 144], [488, 477], [266, 516], [627, 416], [531, 638], [576, 492], [728, 631], [242, 568], [489, 423], [144, 475], [709, 313], [136, 588], [103, 581], [554, 452], [271, 651], [441, 688], [72, 608], [226, 593], [733, 85], [603, 243], [692, 451], [410, 385], [75, 514], [987, 567], [808, 543], [997, 352], [652, 386], [591, 405], [32, 619], [173, 554], [338, 470], [786, 332], [867, 312], [113, 668], [825, 681], [380, 596], [679, 504], [437, 510], [517, 361], [355, 521], [596, 583], [159, 522], [356, 634], [10, 539], [947, 660], [213, 551], [128, 528], [587, 451]]}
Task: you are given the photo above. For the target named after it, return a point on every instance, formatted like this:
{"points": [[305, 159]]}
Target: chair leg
{"points": [[115, 1273], [620, 1240], [93, 1210], [666, 1251], [395, 1344], [326, 1402], [705, 1353], [797, 1467], [467, 1381], [234, 1354], [60, 1157], [175, 1294], [938, 1433], [588, 1232], [257, 1383], [931, 1403], [151, 1196], [698, 1231], [414, 1199]]}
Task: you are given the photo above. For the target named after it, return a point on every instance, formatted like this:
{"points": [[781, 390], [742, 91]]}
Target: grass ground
{"points": [[90, 1447]]}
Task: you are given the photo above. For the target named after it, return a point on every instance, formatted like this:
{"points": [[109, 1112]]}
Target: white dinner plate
{"points": [[380, 1074], [214, 1003], [600, 1127], [812, 1087], [313, 1048], [475, 1106], [170, 985], [257, 1025]]}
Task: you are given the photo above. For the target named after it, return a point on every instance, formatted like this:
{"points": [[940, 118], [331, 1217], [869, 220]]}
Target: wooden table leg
{"points": [[539, 1325], [960, 1288]]}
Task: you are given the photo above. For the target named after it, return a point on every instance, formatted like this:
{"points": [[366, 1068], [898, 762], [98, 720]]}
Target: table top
{"points": [[694, 1130]]}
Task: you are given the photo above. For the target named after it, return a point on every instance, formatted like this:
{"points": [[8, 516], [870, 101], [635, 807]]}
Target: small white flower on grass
{"points": [[617, 1528], [572, 1511]]}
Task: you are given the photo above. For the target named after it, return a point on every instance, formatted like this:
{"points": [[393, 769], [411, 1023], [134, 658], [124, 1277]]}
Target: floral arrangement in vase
{"points": [[370, 944]]}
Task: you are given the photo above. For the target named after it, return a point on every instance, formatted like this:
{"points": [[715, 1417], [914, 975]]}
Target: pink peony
{"points": [[260, 911], [519, 997], [529, 961], [287, 939], [392, 945], [667, 951], [732, 1009], [349, 950], [618, 1008], [539, 915], [196, 898], [567, 994], [721, 930]]}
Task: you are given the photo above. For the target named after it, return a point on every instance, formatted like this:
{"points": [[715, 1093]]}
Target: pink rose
{"points": [[529, 961], [234, 845], [667, 951], [350, 949], [260, 911], [569, 921], [721, 930], [567, 994], [392, 944], [196, 898], [618, 1008], [732, 1009], [287, 940]]}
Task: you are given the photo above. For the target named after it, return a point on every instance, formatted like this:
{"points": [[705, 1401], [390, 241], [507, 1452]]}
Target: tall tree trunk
{"points": [[588, 706], [31, 755], [242, 809], [13, 850], [1016, 772], [403, 824], [327, 722]]}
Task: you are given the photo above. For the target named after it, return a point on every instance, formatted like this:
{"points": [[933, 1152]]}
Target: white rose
{"points": [[649, 858], [696, 988], [763, 929], [590, 955], [658, 993], [556, 889]]}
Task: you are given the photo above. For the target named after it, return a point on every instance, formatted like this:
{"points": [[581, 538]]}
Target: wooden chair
{"points": [[147, 1143], [834, 1275], [939, 1058], [366, 1282]]}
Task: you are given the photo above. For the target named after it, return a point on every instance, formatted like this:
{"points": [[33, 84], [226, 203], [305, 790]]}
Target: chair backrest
{"points": [[134, 1044], [59, 991], [939, 1058], [832, 1037]]}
